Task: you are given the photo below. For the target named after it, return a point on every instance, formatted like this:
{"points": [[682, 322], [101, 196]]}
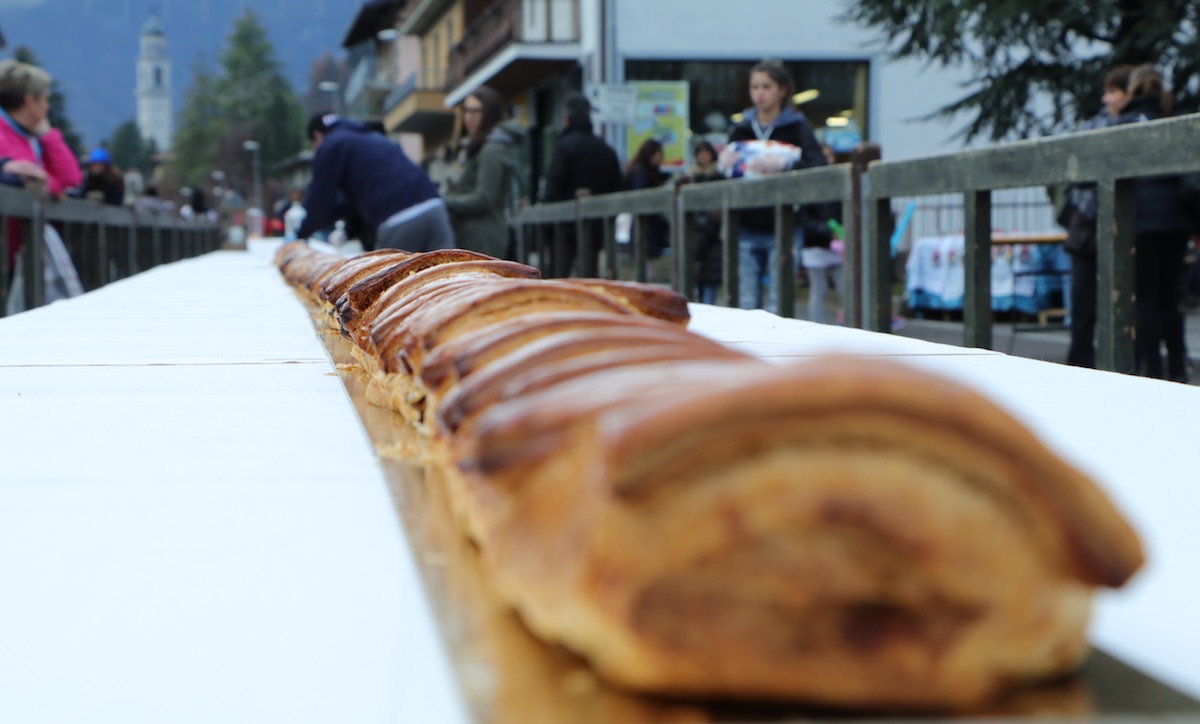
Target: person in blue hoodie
{"points": [[773, 118], [359, 173]]}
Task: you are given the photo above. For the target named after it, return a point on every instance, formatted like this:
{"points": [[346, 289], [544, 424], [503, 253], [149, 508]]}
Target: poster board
{"points": [[662, 113]]}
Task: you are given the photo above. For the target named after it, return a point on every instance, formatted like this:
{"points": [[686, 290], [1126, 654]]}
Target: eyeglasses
{"points": [[472, 109]]}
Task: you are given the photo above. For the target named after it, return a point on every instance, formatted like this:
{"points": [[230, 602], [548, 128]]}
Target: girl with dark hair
{"points": [[1162, 227], [772, 118], [478, 209], [644, 172], [709, 261]]}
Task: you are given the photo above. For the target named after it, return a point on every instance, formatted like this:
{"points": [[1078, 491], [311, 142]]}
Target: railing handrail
{"points": [[1077, 157], [822, 184]]}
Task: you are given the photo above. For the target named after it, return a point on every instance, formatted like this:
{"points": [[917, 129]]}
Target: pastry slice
{"points": [[362, 294], [444, 313], [844, 532], [557, 358], [451, 361], [645, 299]]}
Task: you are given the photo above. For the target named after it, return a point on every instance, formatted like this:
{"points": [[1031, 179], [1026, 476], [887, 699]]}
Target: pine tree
{"points": [[1038, 66], [248, 100], [255, 98], [130, 149], [201, 128], [58, 104]]}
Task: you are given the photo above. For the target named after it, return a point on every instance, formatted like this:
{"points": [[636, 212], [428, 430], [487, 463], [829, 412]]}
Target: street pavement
{"points": [[1048, 344]]}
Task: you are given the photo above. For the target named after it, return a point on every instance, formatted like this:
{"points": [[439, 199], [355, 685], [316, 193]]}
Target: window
{"points": [[158, 77]]}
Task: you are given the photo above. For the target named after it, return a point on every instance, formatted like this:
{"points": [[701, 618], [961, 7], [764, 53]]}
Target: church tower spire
{"points": [[154, 116]]}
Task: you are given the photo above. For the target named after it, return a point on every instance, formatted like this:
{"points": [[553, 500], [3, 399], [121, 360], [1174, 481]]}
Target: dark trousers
{"points": [[1159, 316], [564, 239], [1082, 352]]}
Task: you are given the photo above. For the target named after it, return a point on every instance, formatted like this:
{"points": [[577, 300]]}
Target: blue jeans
{"points": [[756, 264]]}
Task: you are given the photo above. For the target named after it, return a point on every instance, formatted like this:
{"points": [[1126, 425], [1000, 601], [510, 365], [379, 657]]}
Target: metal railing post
{"points": [[131, 267], [585, 243], [853, 211], [610, 246], [878, 262], [684, 232], [729, 256], [1115, 288], [31, 255], [977, 266], [103, 256], [785, 260], [641, 232]]}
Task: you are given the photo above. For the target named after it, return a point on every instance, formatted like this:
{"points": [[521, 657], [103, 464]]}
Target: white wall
{"points": [[900, 92]]}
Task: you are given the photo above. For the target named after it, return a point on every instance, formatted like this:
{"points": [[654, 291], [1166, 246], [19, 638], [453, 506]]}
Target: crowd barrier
{"points": [[106, 243], [1111, 158]]}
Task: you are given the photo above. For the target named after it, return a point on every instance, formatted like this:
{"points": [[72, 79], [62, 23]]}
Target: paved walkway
{"points": [[1049, 344]]}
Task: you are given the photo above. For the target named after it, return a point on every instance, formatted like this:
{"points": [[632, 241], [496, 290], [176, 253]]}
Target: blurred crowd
{"points": [[364, 187]]}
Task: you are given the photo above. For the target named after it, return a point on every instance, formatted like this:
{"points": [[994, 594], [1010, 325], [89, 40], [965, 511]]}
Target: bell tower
{"points": [[154, 117]]}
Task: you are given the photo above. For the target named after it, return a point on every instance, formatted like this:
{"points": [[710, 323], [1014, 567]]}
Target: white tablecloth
{"points": [[179, 542]]}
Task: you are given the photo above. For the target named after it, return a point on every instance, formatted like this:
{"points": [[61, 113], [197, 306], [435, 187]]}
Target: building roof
{"points": [[372, 17]]}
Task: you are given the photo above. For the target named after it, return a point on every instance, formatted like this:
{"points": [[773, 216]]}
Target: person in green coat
{"points": [[478, 210]]}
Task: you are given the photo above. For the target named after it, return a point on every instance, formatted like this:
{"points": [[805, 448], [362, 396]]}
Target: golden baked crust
{"points": [[559, 357], [450, 312], [363, 293], [358, 267], [847, 532], [419, 284], [697, 522], [647, 299], [449, 362]]}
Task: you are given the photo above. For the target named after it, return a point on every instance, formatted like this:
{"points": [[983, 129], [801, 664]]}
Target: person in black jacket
{"points": [[710, 262], [582, 163], [773, 118], [1078, 217], [1162, 226], [357, 173], [644, 172]]}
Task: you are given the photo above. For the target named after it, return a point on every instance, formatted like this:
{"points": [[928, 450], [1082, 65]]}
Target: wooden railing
{"points": [[106, 243], [1110, 158], [543, 224]]}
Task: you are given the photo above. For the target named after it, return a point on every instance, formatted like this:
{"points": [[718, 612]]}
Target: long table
{"points": [[194, 525]]}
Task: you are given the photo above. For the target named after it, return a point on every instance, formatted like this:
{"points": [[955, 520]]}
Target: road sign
{"points": [[612, 103]]}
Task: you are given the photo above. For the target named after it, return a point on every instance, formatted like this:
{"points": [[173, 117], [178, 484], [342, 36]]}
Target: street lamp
{"points": [[255, 216], [218, 180], [330, 87], [252, 147]]}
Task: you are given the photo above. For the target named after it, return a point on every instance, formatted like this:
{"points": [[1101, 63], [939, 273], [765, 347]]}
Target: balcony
{"points": [[368, 87], [512, 44], [416, 107]]}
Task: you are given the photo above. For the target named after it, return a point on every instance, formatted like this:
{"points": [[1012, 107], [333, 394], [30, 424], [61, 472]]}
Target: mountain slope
{"points": [[91, 46]]}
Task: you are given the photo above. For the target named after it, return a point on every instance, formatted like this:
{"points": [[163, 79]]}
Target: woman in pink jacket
{"points": [[30, 150]]}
